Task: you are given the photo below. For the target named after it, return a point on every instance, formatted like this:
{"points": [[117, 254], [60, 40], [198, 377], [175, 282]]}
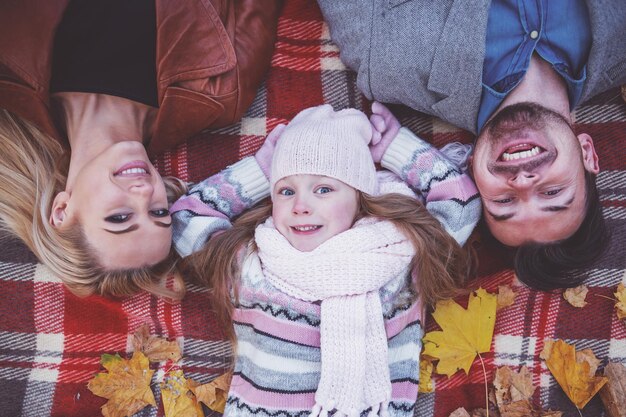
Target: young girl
{"points": [[325, 284]]}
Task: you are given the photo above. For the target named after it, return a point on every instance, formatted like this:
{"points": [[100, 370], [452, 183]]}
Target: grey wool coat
{"points": [[428, 54]]}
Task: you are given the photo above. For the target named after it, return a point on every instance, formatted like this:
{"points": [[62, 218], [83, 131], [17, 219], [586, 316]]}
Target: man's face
{"points": [[529, 168]]}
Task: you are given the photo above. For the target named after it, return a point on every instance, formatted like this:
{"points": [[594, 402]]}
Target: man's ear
{"points": [[590, 158], [59, 205]]}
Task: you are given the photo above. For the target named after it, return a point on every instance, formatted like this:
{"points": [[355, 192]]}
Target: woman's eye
{"points": [[118, 218], [160, 213], [503, 201], [286, 191], [552, 192], [323, 190]]}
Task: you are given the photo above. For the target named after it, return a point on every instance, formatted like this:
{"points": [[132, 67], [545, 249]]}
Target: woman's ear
{"points": [[590, 158], [59, 205]]}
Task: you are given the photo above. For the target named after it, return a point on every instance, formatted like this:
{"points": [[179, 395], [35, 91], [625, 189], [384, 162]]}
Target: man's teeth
{"points": [[305, 228], [520, 155], [134, 171]]}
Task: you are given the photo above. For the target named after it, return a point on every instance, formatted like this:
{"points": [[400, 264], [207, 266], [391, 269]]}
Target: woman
{"points": [[103, 81]]}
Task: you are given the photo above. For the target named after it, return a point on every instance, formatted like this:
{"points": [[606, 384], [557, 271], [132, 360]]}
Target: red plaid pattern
{"points": [[51, 341]]}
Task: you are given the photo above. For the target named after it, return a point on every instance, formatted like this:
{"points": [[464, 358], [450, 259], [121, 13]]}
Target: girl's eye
{"points": [[160, 212], [117, 218], [553, 192], [323, 190], [286, 191]]}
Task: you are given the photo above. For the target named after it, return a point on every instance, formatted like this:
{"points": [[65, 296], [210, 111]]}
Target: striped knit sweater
{"points": [[277, 368]]}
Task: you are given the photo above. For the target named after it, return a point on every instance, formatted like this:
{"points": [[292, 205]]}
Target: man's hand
{"points": [[264, 155], [385, 127]]}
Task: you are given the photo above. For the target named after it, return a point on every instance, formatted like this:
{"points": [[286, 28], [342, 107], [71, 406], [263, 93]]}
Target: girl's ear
{"points": [[59, 205], [590, 158]]}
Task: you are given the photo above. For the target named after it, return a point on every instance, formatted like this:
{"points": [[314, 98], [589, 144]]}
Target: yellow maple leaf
{"points": [[214, 393], [156, 348], [574, 371], [464, 334], [620, 294], [126, 385], [426, 372], [178, 401]]}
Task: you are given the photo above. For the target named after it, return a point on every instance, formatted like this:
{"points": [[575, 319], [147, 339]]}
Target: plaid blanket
{"points": [[51, 341]]}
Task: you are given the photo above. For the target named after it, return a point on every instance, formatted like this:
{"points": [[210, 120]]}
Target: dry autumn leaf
{"points": [[126, 385], [620, 294], [214, 393], [156, 348], [613, 394], [460, 412], [576, 296], [513, 386], [426, 372], [574, 371], [506, 297], [464, 334], [178, 400]]}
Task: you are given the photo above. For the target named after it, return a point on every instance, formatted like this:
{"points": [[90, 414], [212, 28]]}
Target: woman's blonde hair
{"points": [[440, 264], [33, 169]]}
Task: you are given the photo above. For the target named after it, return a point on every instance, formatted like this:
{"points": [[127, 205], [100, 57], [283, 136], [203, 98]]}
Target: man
{"points": [[510, 71]]}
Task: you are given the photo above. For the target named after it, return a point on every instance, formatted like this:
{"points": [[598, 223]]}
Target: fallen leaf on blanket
{"points": [[574, 371], [214, 393], [512, 386], [620, 294], [613, 394], [460, 412], [464, 334], [426, 373], [178, 400], [624, 93], [506, 296], [156, 348], [576, 296], [126, 385]]}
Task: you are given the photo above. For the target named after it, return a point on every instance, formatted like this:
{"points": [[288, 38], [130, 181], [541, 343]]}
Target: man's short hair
{"points": [[546, 266]]}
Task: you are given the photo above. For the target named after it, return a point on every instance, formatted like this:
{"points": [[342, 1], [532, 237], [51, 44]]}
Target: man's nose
{"points": [[523, 180]]}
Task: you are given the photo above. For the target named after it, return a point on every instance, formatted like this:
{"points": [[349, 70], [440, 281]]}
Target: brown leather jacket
{"points": [[211, 58]]}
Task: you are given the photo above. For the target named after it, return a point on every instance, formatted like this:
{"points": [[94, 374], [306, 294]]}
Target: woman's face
{"points": [[119, 200]]}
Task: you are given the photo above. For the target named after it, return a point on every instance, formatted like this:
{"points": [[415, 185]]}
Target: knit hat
{"points": [[321, 141]]}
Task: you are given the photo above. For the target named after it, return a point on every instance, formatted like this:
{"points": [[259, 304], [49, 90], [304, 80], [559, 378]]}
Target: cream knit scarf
{"points": [[346, 273]]}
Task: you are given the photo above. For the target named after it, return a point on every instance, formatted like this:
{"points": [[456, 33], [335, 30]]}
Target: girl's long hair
{"points": [[439, 264], [33, 169]]}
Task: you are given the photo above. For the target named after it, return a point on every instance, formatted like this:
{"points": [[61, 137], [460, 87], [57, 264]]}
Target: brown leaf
{"points": [[126, 385], [156, 348], [460, 412], [512, 386], [576, 296], [572, 373], [620, 306], [506, 297], [214, 393], [613, 394], [550, 413], [177, 399], [522, 408]]}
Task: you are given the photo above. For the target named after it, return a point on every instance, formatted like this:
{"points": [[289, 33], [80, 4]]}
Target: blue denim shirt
{"points": [[558, 30]]}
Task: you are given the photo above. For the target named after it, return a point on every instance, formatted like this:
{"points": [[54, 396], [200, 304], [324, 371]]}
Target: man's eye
{"points": [[118, 218], [286, 191], [323, 190], [160, 213]]}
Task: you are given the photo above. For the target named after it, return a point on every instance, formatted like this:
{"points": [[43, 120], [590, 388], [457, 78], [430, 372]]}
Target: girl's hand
{"points": [[264, 155], [385, 127]]}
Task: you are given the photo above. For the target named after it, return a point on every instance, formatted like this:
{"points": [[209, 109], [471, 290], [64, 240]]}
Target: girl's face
{"points": [[310, 209]]}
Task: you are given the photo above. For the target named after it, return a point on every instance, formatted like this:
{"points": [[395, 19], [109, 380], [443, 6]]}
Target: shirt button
{"points": [[534, 34]]}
